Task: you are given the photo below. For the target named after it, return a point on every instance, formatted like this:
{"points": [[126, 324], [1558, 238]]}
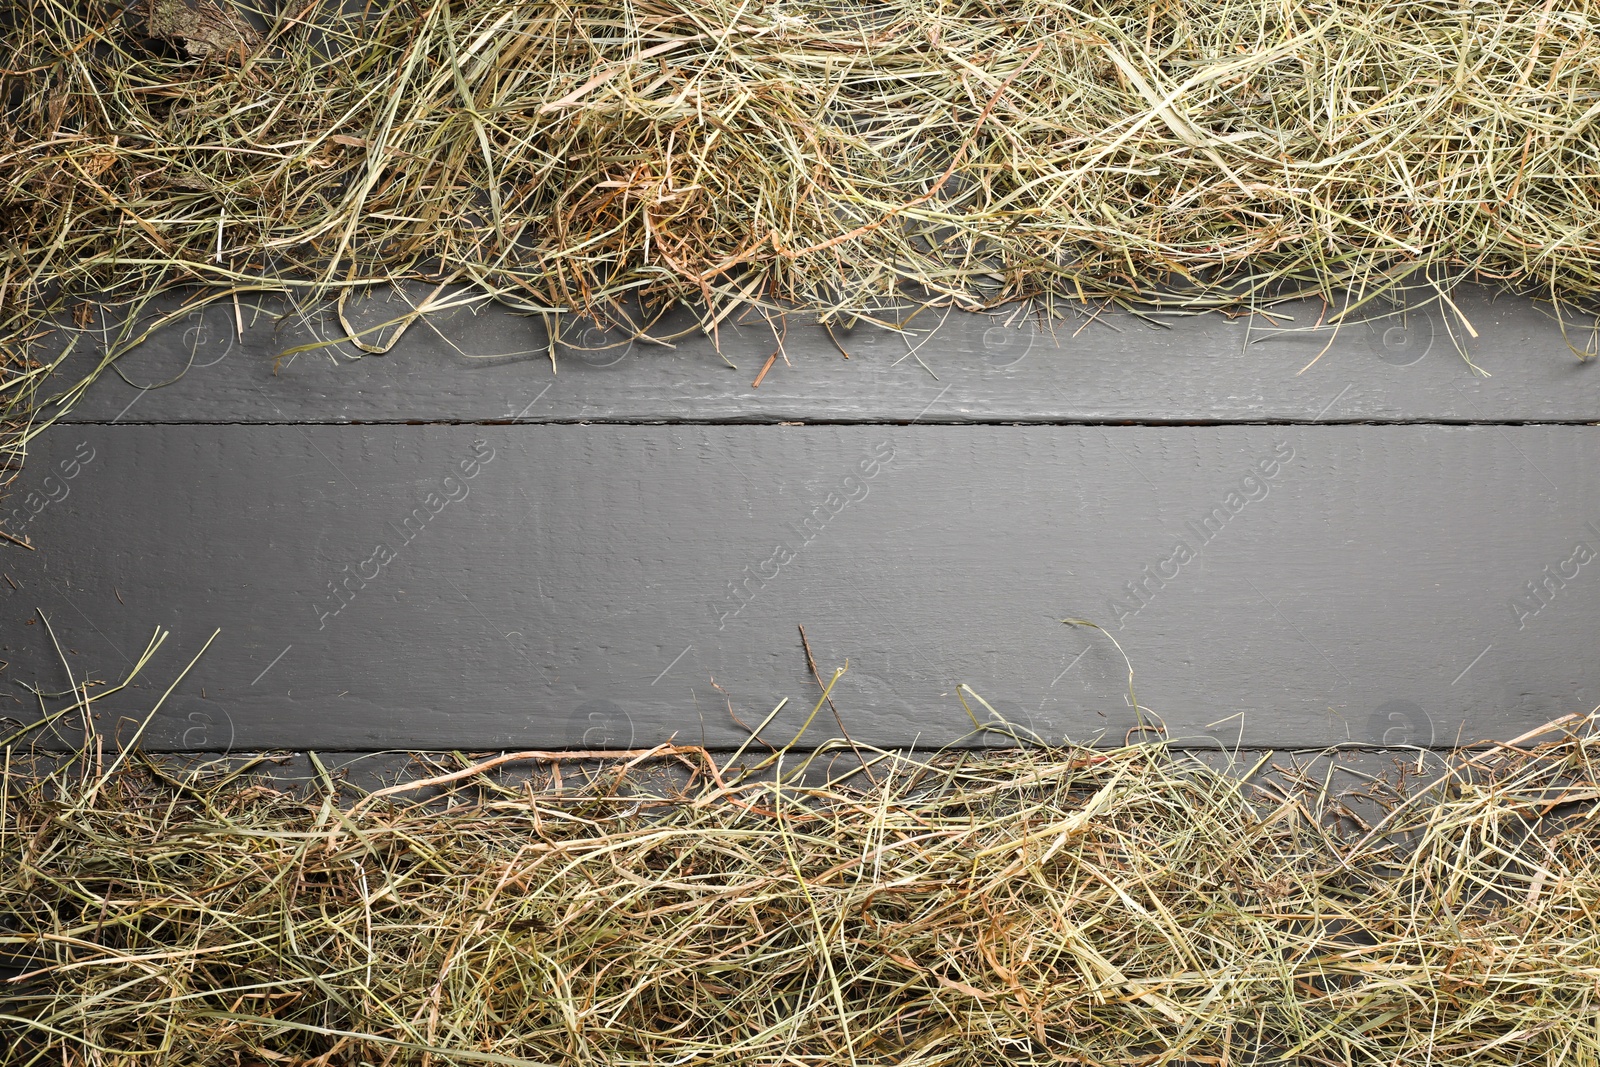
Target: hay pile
{"points": [[615, 159], [1070, 905], [815, 153]]}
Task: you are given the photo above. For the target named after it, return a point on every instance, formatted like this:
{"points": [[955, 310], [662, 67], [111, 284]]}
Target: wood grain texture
{"points": [[586, 585], [467, 365]]}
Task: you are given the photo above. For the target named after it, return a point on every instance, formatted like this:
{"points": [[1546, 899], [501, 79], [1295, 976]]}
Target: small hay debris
{"points": [[200, 26]]}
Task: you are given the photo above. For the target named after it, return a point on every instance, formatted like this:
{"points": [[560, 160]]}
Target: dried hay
{"points": [[615, 160], [1063, 905]]}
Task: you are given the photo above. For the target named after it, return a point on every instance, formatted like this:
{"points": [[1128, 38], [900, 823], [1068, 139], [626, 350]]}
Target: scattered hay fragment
{"points": [[201, 27]]}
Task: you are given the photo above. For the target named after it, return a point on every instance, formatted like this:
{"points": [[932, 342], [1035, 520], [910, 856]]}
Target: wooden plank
{"points": [[473, 365], [616, 585]]}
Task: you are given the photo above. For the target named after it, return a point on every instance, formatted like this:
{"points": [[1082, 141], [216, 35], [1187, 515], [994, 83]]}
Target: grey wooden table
{"points": [[452, 546]]}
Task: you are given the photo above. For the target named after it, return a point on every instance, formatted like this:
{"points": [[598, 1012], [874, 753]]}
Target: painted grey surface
{"points": [[488, 364], [614, 585]]}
